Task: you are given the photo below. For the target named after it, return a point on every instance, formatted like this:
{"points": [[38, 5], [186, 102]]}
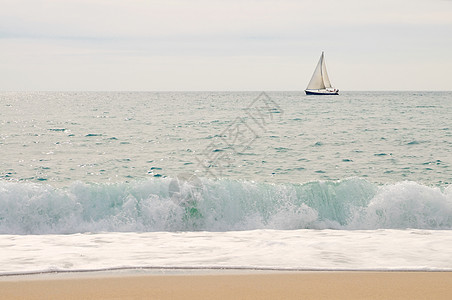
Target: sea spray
{"points": [[407, 205], [220, 205]]}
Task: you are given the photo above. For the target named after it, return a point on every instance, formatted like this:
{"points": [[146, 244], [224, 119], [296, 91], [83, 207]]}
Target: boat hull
{"points": [[321, 92]]}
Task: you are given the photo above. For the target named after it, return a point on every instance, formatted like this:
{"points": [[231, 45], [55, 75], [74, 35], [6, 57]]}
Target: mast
{"points": [[321, 67], [326, 79]]}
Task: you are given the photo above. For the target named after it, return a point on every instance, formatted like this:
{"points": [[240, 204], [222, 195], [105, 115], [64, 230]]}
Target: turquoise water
{"points": [[278, 180], [224, 161], [383, 137]]}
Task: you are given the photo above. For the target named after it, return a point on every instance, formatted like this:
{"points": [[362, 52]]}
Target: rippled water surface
{"points": [[384, 137], [278, 180]]}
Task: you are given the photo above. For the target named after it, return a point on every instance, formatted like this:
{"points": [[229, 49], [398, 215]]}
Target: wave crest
{"points": [[174, 204]]}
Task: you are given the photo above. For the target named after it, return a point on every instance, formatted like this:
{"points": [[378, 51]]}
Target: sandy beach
{"points": [[241, 285]]}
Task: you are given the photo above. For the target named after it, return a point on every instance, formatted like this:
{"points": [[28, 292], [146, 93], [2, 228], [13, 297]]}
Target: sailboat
{"points": [[320, 82]]}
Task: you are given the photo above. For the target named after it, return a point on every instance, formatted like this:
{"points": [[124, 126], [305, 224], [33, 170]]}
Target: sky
{"points": [[224, 45]]}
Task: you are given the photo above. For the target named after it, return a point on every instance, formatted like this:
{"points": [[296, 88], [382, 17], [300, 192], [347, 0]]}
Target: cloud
{"points": [[197, 18], [45, 38]]}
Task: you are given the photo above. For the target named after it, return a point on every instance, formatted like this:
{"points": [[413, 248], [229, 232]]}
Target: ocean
{"points": [[225, 180]]}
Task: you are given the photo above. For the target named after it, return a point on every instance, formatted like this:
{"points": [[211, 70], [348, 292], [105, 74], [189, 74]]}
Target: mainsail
{"points": [[320, 79]]}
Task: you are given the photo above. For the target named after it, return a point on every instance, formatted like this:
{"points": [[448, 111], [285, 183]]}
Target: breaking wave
{"points": [[193, 204]]}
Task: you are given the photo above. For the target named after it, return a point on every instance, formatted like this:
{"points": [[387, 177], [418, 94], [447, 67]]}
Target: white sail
{"points": [[316, 82], [326, 79], [320, 79]]}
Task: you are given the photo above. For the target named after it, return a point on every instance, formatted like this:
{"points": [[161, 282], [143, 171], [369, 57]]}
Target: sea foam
{"points": [[171, 204]]}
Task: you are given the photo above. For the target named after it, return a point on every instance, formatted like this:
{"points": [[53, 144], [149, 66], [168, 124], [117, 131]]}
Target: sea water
{"points": [[246, 180]]}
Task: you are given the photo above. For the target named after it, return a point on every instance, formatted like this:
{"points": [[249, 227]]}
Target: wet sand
{"points": [[226, 285]]}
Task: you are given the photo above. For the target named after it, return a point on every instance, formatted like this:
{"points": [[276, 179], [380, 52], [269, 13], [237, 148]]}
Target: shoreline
{"points": [[191, 270], [229, 284]]}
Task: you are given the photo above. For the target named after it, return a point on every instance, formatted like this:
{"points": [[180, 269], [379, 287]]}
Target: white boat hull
{"points": [[322, 92]]}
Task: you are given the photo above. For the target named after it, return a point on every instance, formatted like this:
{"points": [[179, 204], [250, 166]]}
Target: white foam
{"points": [[221, 205], [304, 249]]}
